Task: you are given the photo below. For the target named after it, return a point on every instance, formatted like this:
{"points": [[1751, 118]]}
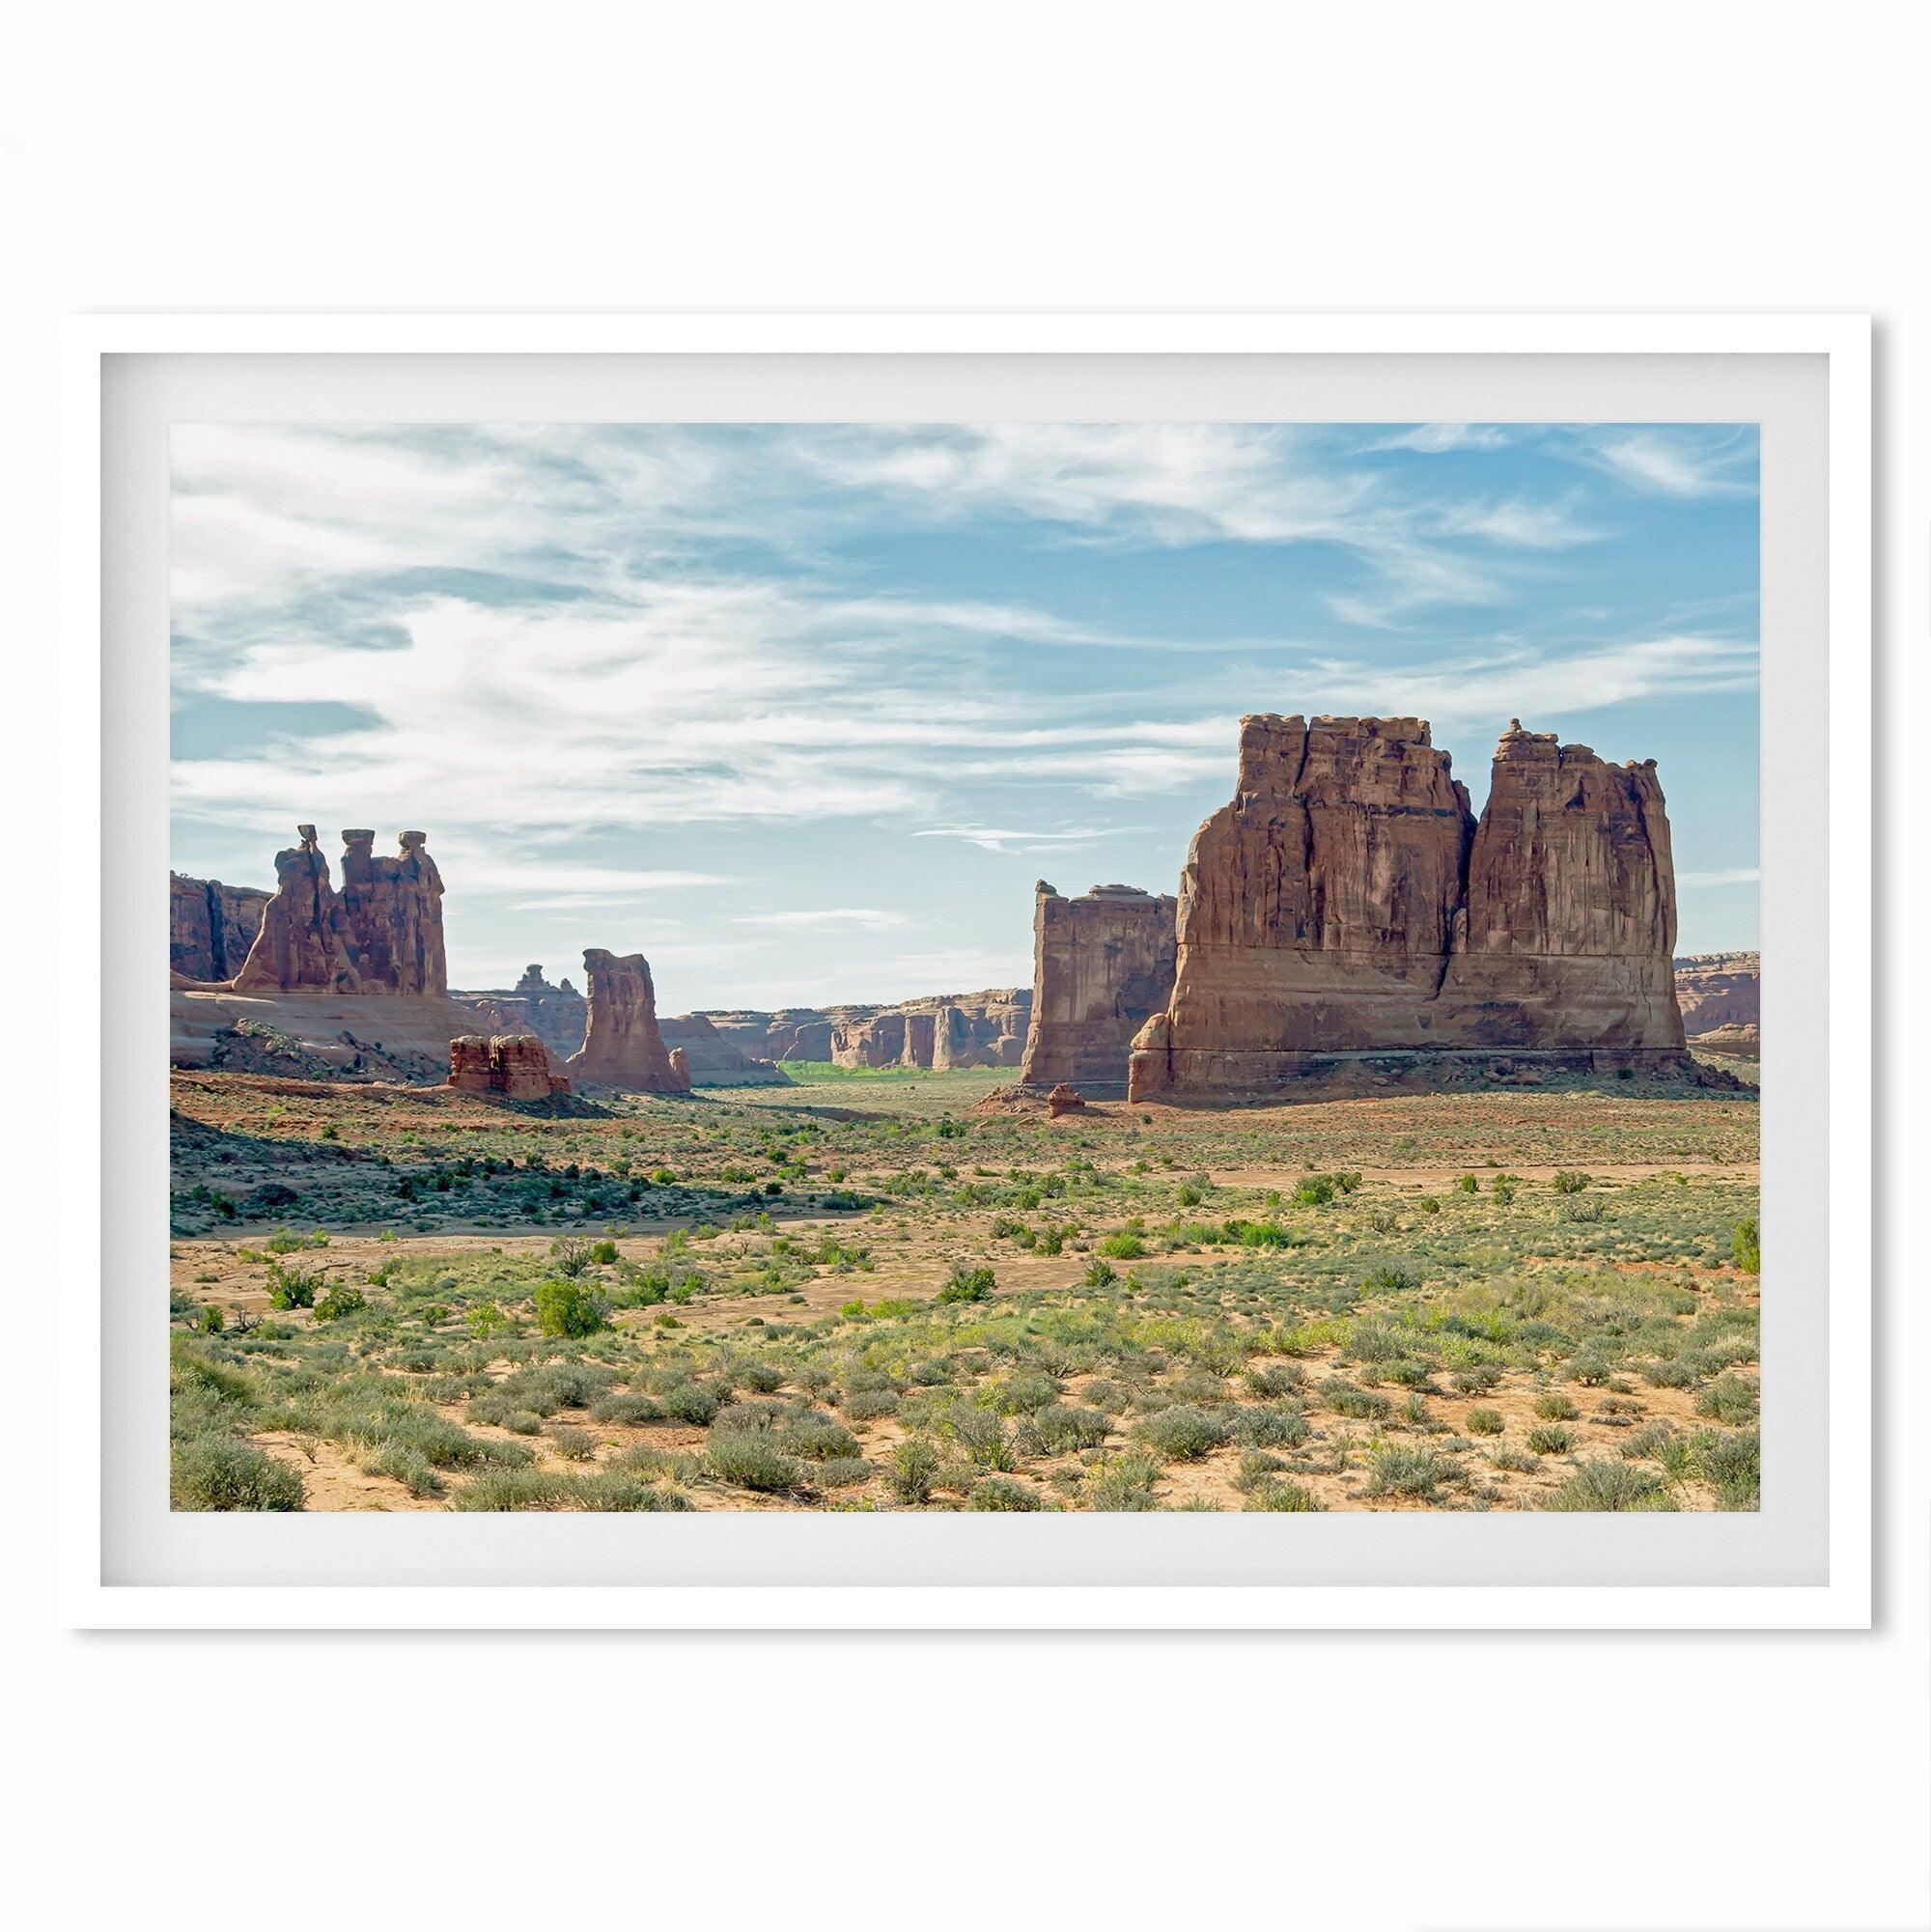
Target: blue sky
{"points": [[800, 712]]}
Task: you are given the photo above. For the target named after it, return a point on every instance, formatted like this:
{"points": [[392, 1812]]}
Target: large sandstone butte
{"points": [[381, 934], [1347, 906], [1717, 989], [622, 1045], [710, 1059], [210, 926], [514, 1065], [1102, 965]]}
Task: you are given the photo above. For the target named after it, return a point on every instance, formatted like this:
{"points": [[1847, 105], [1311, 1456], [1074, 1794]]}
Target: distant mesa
{"points": [[1719, 990], [940, 1031], [710, 1059], [1348, 906], [514, 1065], [557, 1015], [623, 1047]]}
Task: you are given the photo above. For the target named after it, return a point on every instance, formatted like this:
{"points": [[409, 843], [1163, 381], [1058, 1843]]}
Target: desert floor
{"points": [[891, 1291]]}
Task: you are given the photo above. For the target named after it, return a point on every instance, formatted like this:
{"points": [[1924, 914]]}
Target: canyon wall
{"points": [[381, 934], [1102, 965], [1346, 903], [1716, 990], [210, 926], [960, 1029], [622, 1044], [713, 1060]]}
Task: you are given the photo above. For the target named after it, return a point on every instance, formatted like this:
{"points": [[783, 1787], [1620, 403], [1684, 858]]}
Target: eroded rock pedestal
{"points": [[381, 934], [1346, 904], [1102, 964], [514, 1065], [622, 1045]]}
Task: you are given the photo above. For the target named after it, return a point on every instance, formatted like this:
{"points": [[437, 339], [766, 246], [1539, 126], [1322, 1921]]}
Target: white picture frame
{"points": [[98, 1587]]}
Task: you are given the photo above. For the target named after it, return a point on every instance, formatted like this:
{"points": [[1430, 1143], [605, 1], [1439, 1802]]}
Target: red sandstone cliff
{"points": [[210, 926], [622, 1045], [514, 1065], [1347, 903], [1102, 964], [1716, 990]]}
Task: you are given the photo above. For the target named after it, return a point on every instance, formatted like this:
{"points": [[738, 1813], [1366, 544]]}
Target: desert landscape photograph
{"points": [[1029, 968]]}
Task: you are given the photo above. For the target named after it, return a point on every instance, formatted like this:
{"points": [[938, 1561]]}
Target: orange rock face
{"points": [[381, 934], [1102, 964], [1064, 1099], [514, 1065], [210, 926], [622, 1046], [1346, 903], [1719, 990]]}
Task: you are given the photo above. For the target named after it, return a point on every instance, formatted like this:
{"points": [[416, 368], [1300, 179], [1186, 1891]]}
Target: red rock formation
{"points": [[1064, 1099], [680, 1067], [1737, 1043], [210, 927], [556, 1014], [514, 1065], [394, 913], [622, 1046], [1102, 964], [303, 945], [381, 934], [1716, 990], [1347, 904], [711, 1059]]}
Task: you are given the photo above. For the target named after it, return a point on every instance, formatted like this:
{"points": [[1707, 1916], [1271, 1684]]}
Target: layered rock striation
{"points": [[1102, 964], [381, 934], [954, 1029], [710, 1059], [1719, 990], [623, 1046], [557, 1015], [514, 1065], [1347, 904], [210, 926]]}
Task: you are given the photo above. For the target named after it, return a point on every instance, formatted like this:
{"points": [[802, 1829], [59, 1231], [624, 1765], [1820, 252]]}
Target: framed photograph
{"points": [[944, 972]]}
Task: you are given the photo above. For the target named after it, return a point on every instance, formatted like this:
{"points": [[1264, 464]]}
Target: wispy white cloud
{"points": [[1678, 461], [990, 839], [1740, 874], [1439, 438], [825, 919]]}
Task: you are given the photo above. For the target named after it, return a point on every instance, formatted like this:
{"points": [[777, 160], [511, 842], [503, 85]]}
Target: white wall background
{"points": [[1010, 156]]}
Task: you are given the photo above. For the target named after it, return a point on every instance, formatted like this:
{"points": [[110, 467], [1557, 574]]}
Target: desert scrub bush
{"points": [[967, 1284], [1556, 1407], [1746, 1250], [1550, 1439], [1268, 1379], [341, 1299], [1282, 1495], [1611, 1486], [1401, 1470], [912, 1471], [219, 1472], [572, 1444], [1059, 1428], [1358, 1405], [573, 1257], [1002, 1493], [1518, 1461], [1568, 1183], [567, 1308], [514, 1488], [1122, 1484], [1098, 1275], [629, 1410], [1271, 1425], [684, 1401], [1660, 1444], [843, 1472], [749, 1459], [867, 1405], [1731, 1465], [407, 1466], [293, 1287], [1484, 1422], [1729, 1399], [983, 1437], [212, 1321], [1385, 1278], [1126, 1245], [817, 1438], [1183, 1433], [1466, 1184]]}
